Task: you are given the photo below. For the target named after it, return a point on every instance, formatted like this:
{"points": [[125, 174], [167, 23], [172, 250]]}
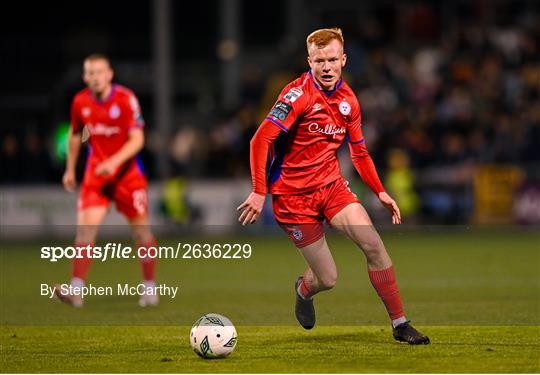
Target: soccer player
{"points": [[110, 117], [312, 117]]}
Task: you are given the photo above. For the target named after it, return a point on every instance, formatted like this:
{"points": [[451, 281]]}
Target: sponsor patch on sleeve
{"points": [[293, 94], [281, 110]]}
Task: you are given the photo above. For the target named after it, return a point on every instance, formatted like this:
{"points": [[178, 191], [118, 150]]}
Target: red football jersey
{"points": [[107, 121], [315, 123]]}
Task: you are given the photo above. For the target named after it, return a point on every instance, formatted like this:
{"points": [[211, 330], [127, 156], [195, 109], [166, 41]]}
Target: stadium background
{"points": [[451, 111], [449, 94]]}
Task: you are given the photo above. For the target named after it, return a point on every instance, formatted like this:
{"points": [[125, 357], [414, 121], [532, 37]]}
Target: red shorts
{"points": [[301, 215], [127, 190]]}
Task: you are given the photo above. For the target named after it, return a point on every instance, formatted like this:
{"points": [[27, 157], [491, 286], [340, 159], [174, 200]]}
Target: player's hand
{"points": [[69, 180], [251, 208], [106, 168], [391, 206]]}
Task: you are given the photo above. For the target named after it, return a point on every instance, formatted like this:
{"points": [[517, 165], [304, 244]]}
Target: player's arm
{"points": [[73, 150], [290, 104], [258, 157], [69, 179], [363, 163], [366, 168], [133, 145]]}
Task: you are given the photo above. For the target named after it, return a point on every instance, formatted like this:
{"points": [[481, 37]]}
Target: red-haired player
{"points": [[109, 114], [313, 116]]}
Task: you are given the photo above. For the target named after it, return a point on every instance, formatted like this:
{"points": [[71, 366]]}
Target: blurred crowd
{"points": [[446, 96], [469, 95], [436, 105]]}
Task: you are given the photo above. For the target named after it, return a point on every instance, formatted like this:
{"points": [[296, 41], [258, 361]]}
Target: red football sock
{"points": [[304, 290], [81, 265], [148, 264], [384, 282]]}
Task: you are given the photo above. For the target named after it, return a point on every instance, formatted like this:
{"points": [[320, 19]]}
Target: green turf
{"points": [[476, 293], [270, 349]]}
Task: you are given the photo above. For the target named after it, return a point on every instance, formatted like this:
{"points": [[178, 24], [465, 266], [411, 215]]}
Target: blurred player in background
{"points": [[312, 117], [109, 116]]}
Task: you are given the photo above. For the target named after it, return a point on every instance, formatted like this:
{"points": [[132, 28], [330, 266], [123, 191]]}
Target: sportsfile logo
{"points": [[328, 129]]}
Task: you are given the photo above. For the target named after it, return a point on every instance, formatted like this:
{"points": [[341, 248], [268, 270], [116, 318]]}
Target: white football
{"points": [[213, 336]]}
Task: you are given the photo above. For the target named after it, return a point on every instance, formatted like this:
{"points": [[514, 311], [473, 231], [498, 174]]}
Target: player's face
{"points": [[98, 76], [326, 63]]}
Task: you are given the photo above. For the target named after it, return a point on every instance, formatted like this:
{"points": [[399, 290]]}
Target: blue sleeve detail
{"points": [[358, 142], [278, 124], [279, 154], [140, 165]]}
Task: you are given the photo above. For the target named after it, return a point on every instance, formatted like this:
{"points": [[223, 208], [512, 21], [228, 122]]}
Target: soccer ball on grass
{"points": [[213, 336]]}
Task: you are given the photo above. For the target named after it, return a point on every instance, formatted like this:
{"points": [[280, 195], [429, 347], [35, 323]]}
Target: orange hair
{"points": [[323, 37]]}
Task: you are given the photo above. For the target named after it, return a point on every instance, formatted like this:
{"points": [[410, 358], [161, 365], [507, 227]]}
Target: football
{"points": [[213, 336]]}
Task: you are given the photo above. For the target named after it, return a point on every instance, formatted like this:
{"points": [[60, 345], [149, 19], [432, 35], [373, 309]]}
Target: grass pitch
{"points": [[476, 294], [325, 349]]}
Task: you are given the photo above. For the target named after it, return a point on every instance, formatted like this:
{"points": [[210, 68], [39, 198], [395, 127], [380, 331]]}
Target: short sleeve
{"points": [[135, 118], [291, 104]]}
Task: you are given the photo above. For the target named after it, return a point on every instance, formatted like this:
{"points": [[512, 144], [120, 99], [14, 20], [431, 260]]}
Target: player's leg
{"points": [[299, 217], [145, 243], [88, 221], [354, 221], [131, 199], [321, 273]]}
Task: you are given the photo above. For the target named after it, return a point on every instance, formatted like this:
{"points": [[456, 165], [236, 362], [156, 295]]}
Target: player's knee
{"points": [[85, 237], [372, 246]]}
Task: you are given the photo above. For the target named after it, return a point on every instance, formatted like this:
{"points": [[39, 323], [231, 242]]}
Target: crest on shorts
{"points": [[344, 108], [297, 234]]}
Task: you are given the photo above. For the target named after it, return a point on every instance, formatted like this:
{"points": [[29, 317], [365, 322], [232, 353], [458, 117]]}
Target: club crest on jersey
{"points": [[86, 111], [293, 94], [344, 108], [114, 111]]}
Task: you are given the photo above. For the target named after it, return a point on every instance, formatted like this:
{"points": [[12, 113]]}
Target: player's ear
{"points": [[344, 60]]}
